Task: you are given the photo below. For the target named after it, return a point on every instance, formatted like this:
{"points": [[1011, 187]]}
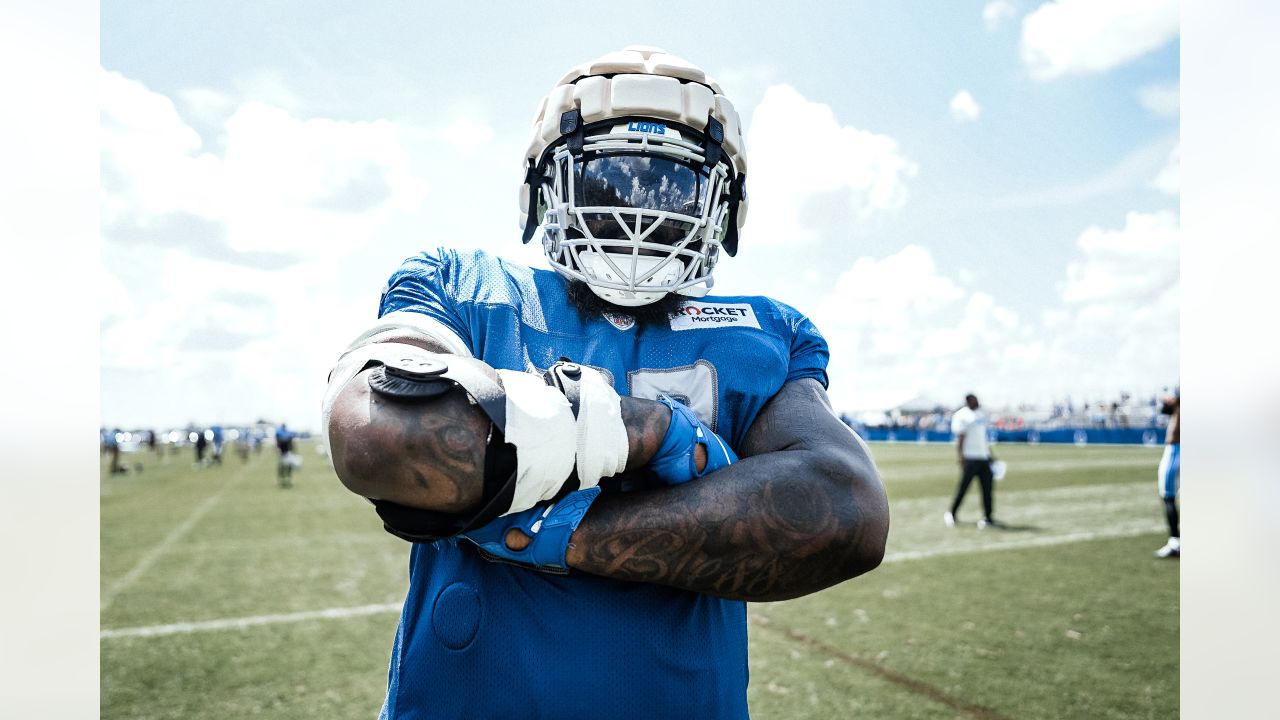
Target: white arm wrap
{"points": [[602, 436], [540, 425], [550, 442]]}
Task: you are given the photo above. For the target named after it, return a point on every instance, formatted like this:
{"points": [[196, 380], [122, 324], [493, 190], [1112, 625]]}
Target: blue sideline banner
{"points": [[1057, 436]]}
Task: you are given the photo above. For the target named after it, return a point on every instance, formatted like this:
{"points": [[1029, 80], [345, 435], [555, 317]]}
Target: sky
{"points": [[964, 196]]}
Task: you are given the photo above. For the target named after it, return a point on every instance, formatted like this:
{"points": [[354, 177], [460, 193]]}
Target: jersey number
{"points": [[694, 385]]}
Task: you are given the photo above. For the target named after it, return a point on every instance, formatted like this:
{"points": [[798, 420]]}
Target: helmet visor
{"points": [[640, 182]]}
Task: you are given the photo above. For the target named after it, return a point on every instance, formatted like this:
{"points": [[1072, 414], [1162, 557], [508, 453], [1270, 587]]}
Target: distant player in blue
{"points": [[1167, 475], [285, 461], [217, 443], [599, 463]]}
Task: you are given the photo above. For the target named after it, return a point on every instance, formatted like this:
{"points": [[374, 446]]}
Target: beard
{"points": [[655, 313]]}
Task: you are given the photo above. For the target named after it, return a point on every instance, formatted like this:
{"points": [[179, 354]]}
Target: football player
{"points": [[973, 452], [1167, 475], [597, 464]]}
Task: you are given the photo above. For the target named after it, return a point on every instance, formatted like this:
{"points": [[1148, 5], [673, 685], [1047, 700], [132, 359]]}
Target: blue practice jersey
{"points": [[483, 640]]}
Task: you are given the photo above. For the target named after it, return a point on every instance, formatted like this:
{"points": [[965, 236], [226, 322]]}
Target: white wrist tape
{"points": [[550, 442], [601, 434], [540, 424]]}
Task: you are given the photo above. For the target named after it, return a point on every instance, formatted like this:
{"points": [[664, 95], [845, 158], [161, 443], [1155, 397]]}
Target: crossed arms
{"points": [[801, 510]]}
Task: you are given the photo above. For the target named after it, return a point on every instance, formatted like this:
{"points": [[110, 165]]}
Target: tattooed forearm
{"points": [[756, 530], [646, 423], [783, 523]]}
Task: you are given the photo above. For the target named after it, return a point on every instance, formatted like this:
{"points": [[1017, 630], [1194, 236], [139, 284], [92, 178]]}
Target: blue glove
{"points": [[674, 462], [549, 528]]}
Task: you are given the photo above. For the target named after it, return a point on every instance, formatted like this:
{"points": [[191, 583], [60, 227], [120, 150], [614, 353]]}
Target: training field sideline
{"points": [[223, 596]]}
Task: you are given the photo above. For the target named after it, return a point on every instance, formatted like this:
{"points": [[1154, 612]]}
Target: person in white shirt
{"points": [[969, 425]]}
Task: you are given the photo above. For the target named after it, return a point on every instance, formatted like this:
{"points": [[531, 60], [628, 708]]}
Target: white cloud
{"points": [[1170, 178], [220, 263], [996, 12], [800, 194], [267, 86], [964, 108], [206, 105], [466, 135], [1125, 269], [315, 185], [1118, 326], [1160, 99], [113, 299], [745, 83], [151, 160], [283, 185], [1132, 171], [1073, 37], [900, 328]]}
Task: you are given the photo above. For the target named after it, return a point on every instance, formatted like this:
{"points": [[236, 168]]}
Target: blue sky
{"points": [[266, 166]]}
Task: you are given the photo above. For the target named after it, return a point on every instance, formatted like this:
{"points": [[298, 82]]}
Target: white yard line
{"points": [[1041, 541], [146, 561], [374, 535], [1039, 518], [1035, 518], [185, 628]]}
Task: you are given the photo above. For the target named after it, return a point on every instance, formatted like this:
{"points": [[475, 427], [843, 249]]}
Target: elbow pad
{"points": [[542, 445]]}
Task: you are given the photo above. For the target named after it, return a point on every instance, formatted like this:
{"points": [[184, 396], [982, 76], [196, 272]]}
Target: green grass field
{"points": [[223, 596]]}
